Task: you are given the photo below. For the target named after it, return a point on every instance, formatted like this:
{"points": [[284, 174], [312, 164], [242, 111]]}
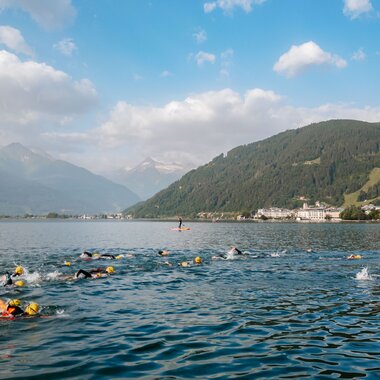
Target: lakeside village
{"points": [[317, 213]]}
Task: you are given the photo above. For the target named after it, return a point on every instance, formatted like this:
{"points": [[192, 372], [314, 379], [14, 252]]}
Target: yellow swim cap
{"points": [[67, 263], [198, 260], [32, 308], [184, 264], [110, 269], [118, 257], [19, 270], [14, 302], [19, 283]]}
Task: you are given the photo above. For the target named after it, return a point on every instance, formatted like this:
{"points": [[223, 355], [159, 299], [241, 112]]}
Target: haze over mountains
{"points": [[149, 177], [33, 182], [329, 161]]}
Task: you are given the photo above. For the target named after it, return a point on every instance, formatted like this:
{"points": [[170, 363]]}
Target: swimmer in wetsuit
{"points": [[229, 255], [13, 309], [95, 256], [7, 278], [94, 273]]}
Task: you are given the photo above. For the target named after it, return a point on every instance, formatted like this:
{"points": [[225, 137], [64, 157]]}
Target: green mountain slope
{"points": [[321, 161]]}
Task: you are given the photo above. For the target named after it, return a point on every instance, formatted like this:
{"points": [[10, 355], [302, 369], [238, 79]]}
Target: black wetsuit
{"points": [[8, 279], [15, 310], [107, 256], [84, 274], [180, 222]]}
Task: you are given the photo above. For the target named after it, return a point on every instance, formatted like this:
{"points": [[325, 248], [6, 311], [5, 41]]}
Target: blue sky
{"points": [[105, 84]]}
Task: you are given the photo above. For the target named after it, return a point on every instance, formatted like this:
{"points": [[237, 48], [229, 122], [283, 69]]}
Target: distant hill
{"points": [[149, 177], [323, 161], [35, 183]]}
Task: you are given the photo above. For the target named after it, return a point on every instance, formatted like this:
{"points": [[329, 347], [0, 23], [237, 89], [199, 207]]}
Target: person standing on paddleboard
{"points": [[180, 222]]}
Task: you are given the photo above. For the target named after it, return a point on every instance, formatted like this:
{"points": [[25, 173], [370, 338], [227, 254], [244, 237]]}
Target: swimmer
{"points": [[354, 257], [94, 273], [95, 256], [86, 255], [163, 253], [197, 260], [235, 251], [13, 309], [7, 278], [186, 264], [229, 255], [107, 256]]}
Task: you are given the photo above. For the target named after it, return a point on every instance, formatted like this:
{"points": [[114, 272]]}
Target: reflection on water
{"points": [[293, 307]]}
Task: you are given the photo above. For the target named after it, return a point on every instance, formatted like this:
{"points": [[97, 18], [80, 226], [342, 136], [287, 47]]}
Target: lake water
{"points": [[292, 307]]}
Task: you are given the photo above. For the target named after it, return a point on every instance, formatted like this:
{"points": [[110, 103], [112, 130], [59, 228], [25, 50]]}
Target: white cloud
{"points": [[200, 36], [137, 77], [359, 55], [34, 93], [13, 39], [302, 56], [204, 125], [66, 46], [50, 14], [166, 74], [229, 5], [201, 57], [226, 58], [355, 8]]}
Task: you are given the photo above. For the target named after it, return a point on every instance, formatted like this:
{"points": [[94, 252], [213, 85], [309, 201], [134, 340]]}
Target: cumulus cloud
{"points": [[13, 40], [359, 55], [200, 36], [50, 14], [201, 57], [33, 93], [355, 8], [66, 46], [229, 5], [204, 125], [300, 57]]}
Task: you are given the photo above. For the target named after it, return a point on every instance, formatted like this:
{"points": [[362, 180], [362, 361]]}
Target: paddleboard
{"points": [[181, 229]]}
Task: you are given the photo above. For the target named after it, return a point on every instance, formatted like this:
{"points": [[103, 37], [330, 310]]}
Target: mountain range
{"points": [[32, 182], [149, 177], [335, 162]]}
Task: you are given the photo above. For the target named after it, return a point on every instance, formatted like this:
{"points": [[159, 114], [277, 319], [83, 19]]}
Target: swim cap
{"points": [[110, 269], [32, 308], [19, 270], [198, 260], [14, 302], [118, 257], [184, 264], [19, 283], [67, 263]]}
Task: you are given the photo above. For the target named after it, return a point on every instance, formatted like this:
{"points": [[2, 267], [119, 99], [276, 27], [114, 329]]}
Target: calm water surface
{"points": [[291, 308]]}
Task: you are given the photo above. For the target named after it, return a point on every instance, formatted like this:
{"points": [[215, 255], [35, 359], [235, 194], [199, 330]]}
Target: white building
{"points": [[274, 213], [318, 213]]}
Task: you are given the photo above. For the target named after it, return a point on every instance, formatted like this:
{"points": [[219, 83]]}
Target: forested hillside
{"points": [[321, 161]]}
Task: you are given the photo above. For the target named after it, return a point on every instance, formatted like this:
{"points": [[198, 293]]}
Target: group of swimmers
{"points": [[12, 308]]}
